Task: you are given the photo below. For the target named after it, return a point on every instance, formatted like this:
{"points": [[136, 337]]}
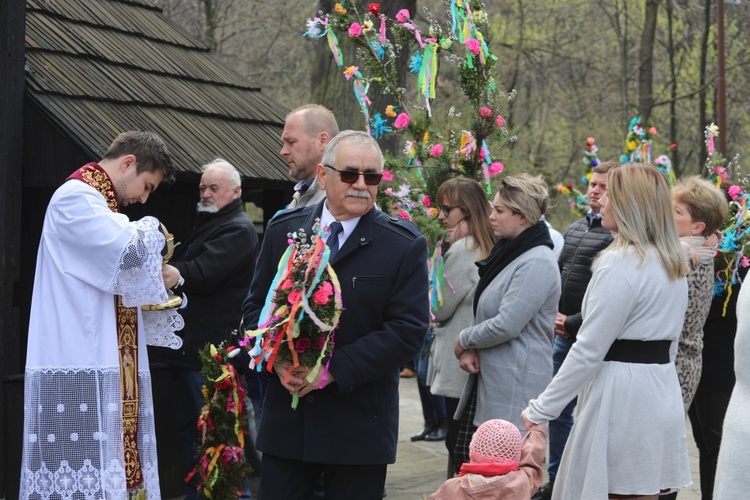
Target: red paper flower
{"points": [[302, 344]]}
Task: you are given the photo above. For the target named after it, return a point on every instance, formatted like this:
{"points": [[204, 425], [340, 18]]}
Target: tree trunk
{"points": [[702, 115], [646, 61], [673, 93], [330, 88]]}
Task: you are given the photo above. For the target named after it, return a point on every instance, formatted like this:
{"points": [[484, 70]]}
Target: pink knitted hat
{"points": [[496, 441]]}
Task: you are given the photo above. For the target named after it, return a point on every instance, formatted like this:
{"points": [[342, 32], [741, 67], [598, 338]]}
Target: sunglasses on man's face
{"points": [[352, 176]]}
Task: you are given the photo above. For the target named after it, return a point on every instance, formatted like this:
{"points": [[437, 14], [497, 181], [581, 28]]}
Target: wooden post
{"points": [[12, 30], [721, 91]]}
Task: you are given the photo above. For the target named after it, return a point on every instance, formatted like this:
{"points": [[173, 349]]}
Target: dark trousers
{"points": [[296, 480], [450, 439], [433, 407], [707, 420]]}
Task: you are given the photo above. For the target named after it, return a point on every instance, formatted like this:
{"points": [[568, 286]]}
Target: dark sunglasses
{"points": [[352, 176], [446, 209]]}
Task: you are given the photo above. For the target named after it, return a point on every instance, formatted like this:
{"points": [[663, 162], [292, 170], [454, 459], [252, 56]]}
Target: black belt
{"points": [[639, 351]]}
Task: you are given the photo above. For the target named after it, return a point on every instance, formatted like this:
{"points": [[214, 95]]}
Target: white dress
{"points": [[629, 435], [73, 435], [734, 454]]}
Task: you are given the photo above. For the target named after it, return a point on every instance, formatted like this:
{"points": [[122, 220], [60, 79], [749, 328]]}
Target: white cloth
{"points": [[72, 446], [629, 435], [558, 240], [734, 459]]}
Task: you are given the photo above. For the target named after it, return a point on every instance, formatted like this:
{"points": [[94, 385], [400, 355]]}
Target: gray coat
{"points": [[512, 332], [444, 375]]}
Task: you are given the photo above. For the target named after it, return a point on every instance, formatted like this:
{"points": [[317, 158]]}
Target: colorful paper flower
{"points": [[323, 294], [339, 9], [350, 72], [473, 45], [500, 121], [403, 16], [436, 150], [302, 344], [387, 175], [390, 110], [495, 167], [485, 112], [426, 201], [415, 62], [733, 191], [374, 9], [402, 121], [355, 30]]}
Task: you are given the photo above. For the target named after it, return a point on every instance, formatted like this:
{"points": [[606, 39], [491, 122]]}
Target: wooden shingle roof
{"points": [[98, 67]]}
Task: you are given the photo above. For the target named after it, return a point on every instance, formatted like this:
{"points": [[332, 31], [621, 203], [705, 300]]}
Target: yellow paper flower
{"points": [[367, 25], [339, 9], [433, 211], [632, 145], [565, 191], [389, 111], [426, 137]]}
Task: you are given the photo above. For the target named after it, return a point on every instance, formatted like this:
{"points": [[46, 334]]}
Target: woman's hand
{"points": [[457, 348], [469, 361], [460, 230]]}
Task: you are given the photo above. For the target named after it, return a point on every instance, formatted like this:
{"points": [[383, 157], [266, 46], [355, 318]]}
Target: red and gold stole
{"points": [[127, 340]]}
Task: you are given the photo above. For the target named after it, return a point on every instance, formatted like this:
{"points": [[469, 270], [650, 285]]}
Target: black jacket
{"points": [[582, 245], [217, 262], [382, 269]]}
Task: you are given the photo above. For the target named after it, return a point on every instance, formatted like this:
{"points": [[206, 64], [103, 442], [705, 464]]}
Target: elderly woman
{"points": [[508, 349], [464, 210], [629, 439]]}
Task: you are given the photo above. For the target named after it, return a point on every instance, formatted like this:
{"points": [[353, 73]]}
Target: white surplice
{"points": [[73, 436]]}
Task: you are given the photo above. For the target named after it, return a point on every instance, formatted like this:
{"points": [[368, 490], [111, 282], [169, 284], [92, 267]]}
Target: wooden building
{"points": [[74, 74]]}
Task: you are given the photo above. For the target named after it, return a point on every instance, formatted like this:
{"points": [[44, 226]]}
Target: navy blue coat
{"points": [[382, 268]]}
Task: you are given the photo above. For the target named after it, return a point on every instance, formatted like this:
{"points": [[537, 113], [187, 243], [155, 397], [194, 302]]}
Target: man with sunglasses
{"points": [[345, 426]]}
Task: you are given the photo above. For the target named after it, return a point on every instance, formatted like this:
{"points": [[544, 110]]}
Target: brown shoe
{"points": [[407, 373]]}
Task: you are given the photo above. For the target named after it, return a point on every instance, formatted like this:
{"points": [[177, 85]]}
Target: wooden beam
{"points": [[12, 36]]}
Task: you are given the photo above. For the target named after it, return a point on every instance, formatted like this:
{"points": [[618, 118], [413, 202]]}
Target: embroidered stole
{"points": [[127, 341]]}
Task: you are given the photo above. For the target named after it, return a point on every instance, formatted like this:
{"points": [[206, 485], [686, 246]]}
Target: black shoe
{"points": [[428, 428], [438, 434], [545, 492]]}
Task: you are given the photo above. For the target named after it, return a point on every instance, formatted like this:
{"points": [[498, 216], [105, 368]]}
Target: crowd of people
{"points": [[593, 341]]}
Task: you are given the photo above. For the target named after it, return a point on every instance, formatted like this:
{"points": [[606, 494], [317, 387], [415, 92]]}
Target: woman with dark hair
{"points": [[464, 210], [508, 348], [629, 438]]}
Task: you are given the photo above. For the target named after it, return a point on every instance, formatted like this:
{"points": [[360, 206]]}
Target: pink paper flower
{"points": [[294, 296], [403, 16], [355, 30], [482, 155], [744, 261], [734, 190], [402, 121], [404, 214], [485, 112], [426, 201], [323, 294], [351, 71], [652, 131], [590, 141], [387, 175], [436, 150], [302, 344], [495, 167], [287, 284], [500, 121], [473, 45]]}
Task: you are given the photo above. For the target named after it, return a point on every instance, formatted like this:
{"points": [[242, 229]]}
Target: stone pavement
{"points": [[420, 466]]}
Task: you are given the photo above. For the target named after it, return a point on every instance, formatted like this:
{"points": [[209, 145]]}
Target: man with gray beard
{"points": [[216, 262]]}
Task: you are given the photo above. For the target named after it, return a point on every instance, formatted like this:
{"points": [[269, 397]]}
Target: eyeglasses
{"points": [[446, 209], [352, 176]]}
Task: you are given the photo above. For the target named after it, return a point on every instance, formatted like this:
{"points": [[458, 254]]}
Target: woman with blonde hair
{"points": [[507, 350], [464, 210], [629, 439]]}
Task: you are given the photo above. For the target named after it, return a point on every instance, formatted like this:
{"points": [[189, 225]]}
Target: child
{"points": [[700, 208], [501, 466]]}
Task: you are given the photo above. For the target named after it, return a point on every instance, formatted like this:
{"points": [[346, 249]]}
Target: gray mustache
{"points": [[358, 194]]}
